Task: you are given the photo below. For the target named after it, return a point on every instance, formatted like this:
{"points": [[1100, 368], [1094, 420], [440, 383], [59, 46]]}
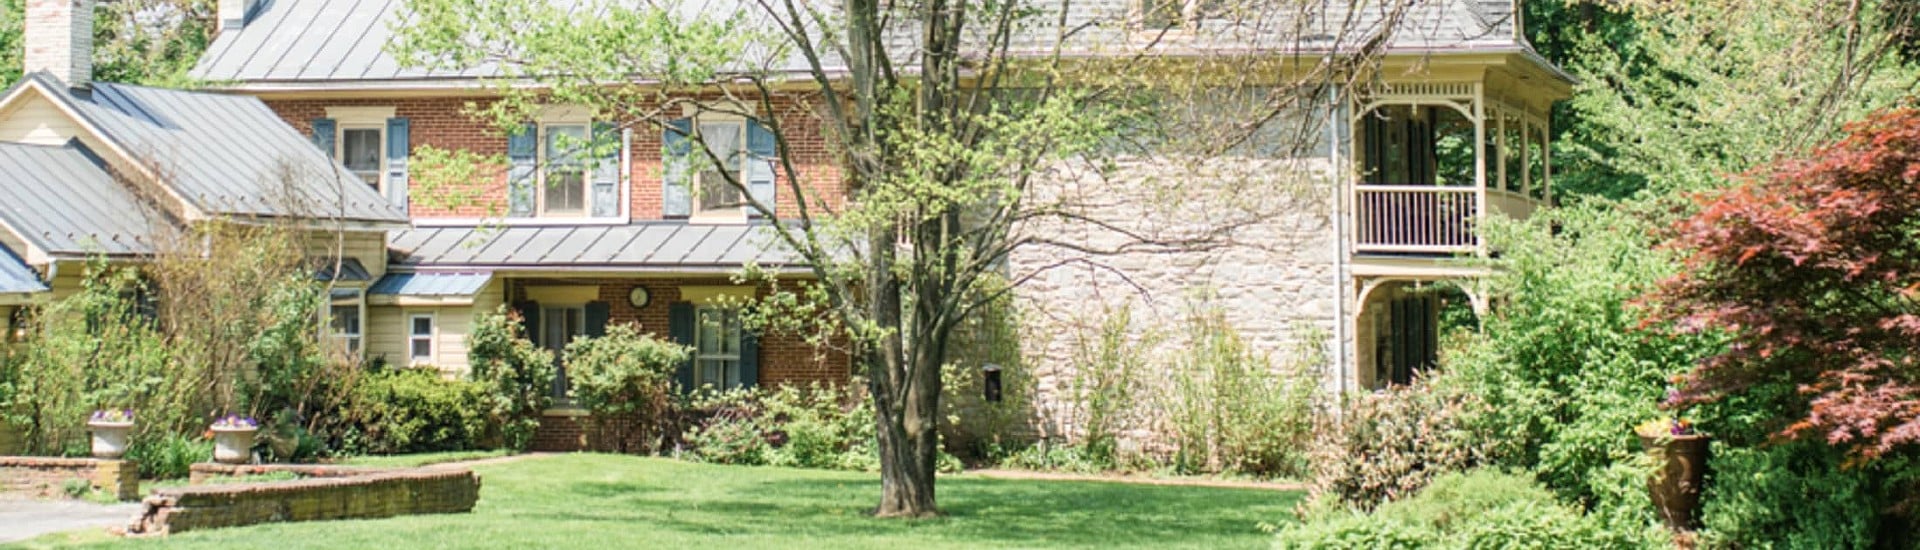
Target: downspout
{"points": [[1335, 118]]}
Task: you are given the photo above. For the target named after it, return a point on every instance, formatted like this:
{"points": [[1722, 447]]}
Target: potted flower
{"points": [[110, 428], [1680, 468], [233, 438]]}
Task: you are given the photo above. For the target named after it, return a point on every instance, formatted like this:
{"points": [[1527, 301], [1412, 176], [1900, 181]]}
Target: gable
{"points": [[34, 119]]}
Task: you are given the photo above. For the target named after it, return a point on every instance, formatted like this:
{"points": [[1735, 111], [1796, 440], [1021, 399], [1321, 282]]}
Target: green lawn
{"points": [[609, 501]]}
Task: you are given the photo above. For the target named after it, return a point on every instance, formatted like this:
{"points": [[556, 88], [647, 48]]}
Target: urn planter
{"points": [[233, 445], [110, 438], [1680, 469]]}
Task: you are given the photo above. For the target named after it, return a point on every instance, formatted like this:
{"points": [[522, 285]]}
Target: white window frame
{"points": [[724, 214], [430, 338], [545, 163], [361, 118], [701, 356], [358, 348]]}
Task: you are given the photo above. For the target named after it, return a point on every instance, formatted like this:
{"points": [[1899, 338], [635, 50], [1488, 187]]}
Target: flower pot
{"points": [[233, 445], [1680, 464], [109, 438]]}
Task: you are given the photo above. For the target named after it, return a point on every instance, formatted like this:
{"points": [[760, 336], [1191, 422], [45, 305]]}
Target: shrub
{"points": [[626, 379], [822, 426], [1387, 445], [417, 411], [1471, 510], [1105, 384], [168, 456], [516, 376], [1232, 410], [729, 430]]}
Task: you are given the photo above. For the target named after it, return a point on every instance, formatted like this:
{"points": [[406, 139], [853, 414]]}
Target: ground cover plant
{"points": [[614, 501]]}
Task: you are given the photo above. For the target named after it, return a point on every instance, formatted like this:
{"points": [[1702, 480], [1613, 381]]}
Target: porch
{"points": [[1435, 160]]}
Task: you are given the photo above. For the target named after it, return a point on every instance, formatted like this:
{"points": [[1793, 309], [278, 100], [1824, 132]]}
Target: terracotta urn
{"points": [[1680, 470]]}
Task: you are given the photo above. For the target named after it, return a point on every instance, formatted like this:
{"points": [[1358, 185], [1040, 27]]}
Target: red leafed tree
{"points": [[1812, 265]]}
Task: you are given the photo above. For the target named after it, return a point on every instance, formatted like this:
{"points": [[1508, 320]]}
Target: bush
{"points": [[168, 456], [729, 430], [816, 426], [515, 375], [626, 379], [1232, 410], [1388, 445], [416, 411], [1477, 509]]}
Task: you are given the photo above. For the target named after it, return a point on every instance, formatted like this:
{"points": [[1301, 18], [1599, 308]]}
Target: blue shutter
{"points": [[598, 314], [749, 359], [760, 166], [606, 171], [323, 134], [522, 158], [680, 329], [529, 320], [397, 148], [676, 194]]}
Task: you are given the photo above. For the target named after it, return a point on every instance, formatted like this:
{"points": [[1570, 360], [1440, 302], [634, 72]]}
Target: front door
{"points": [[559, 325]]}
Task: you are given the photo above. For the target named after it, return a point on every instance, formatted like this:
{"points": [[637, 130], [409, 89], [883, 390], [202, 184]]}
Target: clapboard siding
{"points": [[37, 121]]}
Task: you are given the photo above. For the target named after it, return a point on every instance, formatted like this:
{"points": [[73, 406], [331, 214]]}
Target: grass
{"points": [[611, 501], [417, 460]]}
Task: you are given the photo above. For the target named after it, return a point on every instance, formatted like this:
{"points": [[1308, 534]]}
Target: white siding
{"points": [[37, 121]]}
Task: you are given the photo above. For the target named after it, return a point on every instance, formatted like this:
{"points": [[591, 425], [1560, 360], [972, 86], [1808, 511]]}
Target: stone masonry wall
{"points": [[1270, 271]]}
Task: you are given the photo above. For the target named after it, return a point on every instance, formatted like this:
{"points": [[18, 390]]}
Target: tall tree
{"points": [[953, 123]]}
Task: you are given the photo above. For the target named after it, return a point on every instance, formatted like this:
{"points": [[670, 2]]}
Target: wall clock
{"points": [[638, 297]]}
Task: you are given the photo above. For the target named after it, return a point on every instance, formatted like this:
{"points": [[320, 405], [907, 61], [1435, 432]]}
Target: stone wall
{"points": [[374, 495], [1253, 237], [48, 476]]}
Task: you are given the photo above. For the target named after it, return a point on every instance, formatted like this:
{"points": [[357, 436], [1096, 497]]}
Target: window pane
{"points": [[566, 177], [346, 319], [422, 326], [422, 349], [360, 152], [727, 141], [566, 190]]}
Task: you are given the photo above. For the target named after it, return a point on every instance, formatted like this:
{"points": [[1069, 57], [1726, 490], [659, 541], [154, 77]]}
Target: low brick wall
{"points": [[373, 495], [48, 476]]}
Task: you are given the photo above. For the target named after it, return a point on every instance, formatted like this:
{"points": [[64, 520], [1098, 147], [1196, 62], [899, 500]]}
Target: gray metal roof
{"points": [[16, 277], [662, 246], [431, 284], [224, 154], [62, 200], [293, 41], [350, 270]]}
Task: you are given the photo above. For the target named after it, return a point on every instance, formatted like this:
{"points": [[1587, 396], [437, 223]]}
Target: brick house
{"points": [[1453, 133]]}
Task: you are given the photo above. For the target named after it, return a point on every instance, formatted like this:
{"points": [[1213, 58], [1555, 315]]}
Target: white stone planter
{"points": [[110, 438], [233, 445]]}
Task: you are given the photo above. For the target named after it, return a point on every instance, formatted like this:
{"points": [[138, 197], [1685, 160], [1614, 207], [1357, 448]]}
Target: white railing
{"points": [[1425, 219]]}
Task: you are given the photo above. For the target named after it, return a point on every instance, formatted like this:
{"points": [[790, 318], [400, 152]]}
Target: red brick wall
{"points": [[784, 358], [443, 123]]}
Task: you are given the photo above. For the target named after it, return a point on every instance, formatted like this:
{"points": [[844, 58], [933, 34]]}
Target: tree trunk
{"points": [[908, 447], [906, 393]]}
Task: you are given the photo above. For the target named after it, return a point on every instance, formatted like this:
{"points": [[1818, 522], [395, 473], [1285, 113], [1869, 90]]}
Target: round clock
{"points": [[638, 297]]}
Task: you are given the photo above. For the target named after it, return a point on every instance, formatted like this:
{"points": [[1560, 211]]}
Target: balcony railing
{"points": [[1419, 219]]}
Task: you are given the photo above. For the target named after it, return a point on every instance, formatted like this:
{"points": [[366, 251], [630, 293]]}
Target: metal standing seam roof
{"points": [[223, 154], [62, 200], [431, 284], [642, 246], [16, 277], [290, 41], [350, 270]]}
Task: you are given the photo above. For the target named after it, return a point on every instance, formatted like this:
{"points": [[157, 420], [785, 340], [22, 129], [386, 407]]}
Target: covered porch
{"points": [[1435, 159]]}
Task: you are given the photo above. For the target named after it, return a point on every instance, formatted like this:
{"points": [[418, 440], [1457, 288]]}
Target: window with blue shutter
{"points": [[398, 130], [606, 171], [676, 183], [680, 329], [763, 154], [323, 130], [522, 171]]}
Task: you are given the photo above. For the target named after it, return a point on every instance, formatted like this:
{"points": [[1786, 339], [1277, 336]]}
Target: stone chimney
{"points": [[59, 40], [232, 14]]}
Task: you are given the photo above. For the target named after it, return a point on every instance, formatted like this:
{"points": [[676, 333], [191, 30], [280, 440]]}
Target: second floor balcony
{"points": [[1435, 161]]}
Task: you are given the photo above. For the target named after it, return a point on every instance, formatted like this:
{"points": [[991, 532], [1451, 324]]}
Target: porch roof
{"points": [[431, 285], [654, 246], [16, 277]]}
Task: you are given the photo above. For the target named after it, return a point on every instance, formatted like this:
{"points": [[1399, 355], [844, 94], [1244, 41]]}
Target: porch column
{"points": [[1479, 166]]}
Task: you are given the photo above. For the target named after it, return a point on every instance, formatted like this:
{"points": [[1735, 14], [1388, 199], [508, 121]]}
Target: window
{"points": [[420, 338], [360, 151], [344, 321], [559, 325], [717, 184], [716, 358], [563, 185], [1161, 14]]}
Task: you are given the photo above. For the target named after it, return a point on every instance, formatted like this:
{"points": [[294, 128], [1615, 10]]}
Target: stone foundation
{"points": [[379, 494], [48, 476]]}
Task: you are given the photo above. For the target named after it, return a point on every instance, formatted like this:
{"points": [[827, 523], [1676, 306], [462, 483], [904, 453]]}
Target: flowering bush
{"points": [[113, 416], [236, 422]]}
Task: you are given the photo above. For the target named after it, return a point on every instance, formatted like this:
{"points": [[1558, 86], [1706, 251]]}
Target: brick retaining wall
{"points": [[374, 495], [48, 476], [204, 471]]}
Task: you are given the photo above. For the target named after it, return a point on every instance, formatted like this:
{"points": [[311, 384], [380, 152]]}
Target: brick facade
{"points": [[47, 477], [444, 124]]}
